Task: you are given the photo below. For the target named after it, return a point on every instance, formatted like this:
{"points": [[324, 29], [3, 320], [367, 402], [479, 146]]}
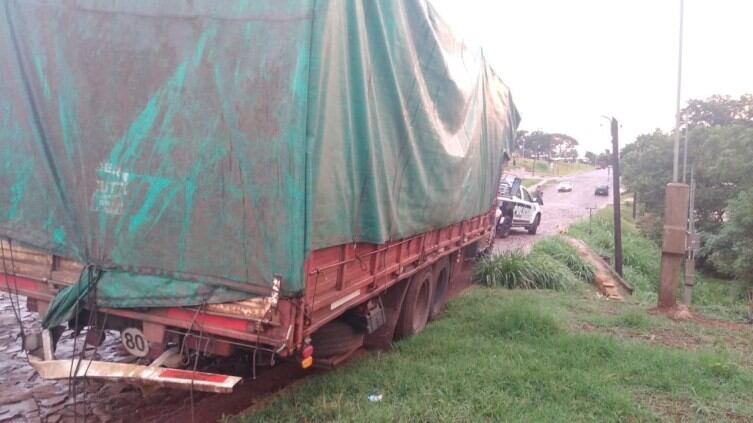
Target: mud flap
{"points": [[392, 302]]}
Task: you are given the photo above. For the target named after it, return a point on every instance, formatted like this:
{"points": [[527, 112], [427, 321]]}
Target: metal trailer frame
{"points": [[338, 279]]}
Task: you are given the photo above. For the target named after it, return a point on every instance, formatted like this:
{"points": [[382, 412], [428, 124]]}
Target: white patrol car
{"points": [[517, 208]]}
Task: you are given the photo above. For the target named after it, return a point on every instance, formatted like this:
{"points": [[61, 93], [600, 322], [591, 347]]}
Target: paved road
{"points": [[561, 209]]}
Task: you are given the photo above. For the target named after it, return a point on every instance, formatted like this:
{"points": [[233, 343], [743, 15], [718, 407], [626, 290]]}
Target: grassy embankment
{"points": [[557, 169], [712, 296], [559, 354]]}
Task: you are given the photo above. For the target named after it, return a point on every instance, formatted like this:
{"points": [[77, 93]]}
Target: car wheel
{"points": [[535, 225]]}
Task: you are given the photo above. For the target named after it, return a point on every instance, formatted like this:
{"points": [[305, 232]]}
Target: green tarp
{"points": [[195, 150]]}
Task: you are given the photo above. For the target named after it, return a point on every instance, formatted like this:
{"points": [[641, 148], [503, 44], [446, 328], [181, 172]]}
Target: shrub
{"points": [[559, 249], [515, 270]]}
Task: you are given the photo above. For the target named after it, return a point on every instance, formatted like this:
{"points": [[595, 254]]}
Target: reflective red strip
{"points": [[184, 374], [208, 320], [21, 283]]}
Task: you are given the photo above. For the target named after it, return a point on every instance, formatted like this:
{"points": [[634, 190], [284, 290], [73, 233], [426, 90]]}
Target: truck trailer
{"points": [[285, 180]]}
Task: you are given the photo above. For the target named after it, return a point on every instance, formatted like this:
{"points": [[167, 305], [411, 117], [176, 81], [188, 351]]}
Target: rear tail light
{"points": [[307, 362], [307, 356]]}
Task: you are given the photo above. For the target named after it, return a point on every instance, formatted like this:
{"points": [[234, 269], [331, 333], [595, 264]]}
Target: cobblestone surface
{"points": [[25, 397]]}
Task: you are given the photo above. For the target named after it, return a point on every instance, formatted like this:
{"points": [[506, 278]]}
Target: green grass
{"points": [[558, 169], [641, 265], [529, 182], [563, 252], [514, 355], [515, 269], [720, 298]]}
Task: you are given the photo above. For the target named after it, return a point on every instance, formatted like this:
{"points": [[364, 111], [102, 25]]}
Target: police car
{"points": [[517, 208]]}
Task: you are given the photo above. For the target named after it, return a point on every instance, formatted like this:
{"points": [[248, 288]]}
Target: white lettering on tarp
{"points": [[112, 187]]}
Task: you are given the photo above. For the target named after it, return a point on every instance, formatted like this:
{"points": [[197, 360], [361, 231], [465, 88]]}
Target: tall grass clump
{"points": [[515, 270], [641, 256], [560, 250]]}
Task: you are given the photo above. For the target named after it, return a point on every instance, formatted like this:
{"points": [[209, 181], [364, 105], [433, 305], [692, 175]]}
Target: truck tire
{"points": [[336, 338], [441, 286], [535, 225], [416, 307]]}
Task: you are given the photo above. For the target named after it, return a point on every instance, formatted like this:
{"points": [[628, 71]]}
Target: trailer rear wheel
{"points": [[416, 305], [336, 338], [441, 285]]}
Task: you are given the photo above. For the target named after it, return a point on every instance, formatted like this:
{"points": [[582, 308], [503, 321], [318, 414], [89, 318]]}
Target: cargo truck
{"points": [[285, 180]]}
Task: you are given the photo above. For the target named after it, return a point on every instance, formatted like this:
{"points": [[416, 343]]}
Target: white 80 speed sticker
{"points": [[134, 342]]}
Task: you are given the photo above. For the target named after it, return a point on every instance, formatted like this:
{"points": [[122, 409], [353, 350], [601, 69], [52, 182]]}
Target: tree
{"points": [[723, 161], [520, 141], [646, 167], [591, 157], [539, 143], [603, 159], [719, 110], [720, 149], [732, 248], [562, 145]]}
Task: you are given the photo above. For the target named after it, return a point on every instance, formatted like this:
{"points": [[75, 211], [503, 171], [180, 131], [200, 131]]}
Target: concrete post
{"points": [[674, 242]]}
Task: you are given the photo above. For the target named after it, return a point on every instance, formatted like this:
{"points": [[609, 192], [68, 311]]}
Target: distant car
{"points": [[602, 190], [564, 187]]}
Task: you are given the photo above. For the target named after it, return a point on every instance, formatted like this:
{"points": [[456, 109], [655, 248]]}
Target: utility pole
{"points": [[674, 239], [685, 154], [676, 161], [590, 213], [616, 197], [692, 246]]}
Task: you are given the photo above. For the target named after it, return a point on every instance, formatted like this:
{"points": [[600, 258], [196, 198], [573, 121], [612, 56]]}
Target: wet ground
{"points": [[25, 397], [561, 209]]}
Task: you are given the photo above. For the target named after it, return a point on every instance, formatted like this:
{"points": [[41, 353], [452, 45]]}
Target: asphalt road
{"points": [[561, 209]]}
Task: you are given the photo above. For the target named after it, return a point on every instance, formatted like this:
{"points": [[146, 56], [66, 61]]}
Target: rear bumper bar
{"points": [[134, 373]]}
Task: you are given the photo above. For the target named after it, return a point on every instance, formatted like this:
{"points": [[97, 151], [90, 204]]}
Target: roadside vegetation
{"points": [[534, 355], [557, 169], [712, 296], [720, 150], [534, 343], [529, 182]]}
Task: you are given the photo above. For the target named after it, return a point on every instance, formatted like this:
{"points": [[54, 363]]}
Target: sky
{"points": [[569, 62]]}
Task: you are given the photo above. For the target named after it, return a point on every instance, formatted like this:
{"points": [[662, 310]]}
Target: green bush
{"points": [[515, 270]]}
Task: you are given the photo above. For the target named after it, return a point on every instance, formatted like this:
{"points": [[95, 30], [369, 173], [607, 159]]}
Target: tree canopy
{"points": [[719, 111], [720, 149], [542, 144]]}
